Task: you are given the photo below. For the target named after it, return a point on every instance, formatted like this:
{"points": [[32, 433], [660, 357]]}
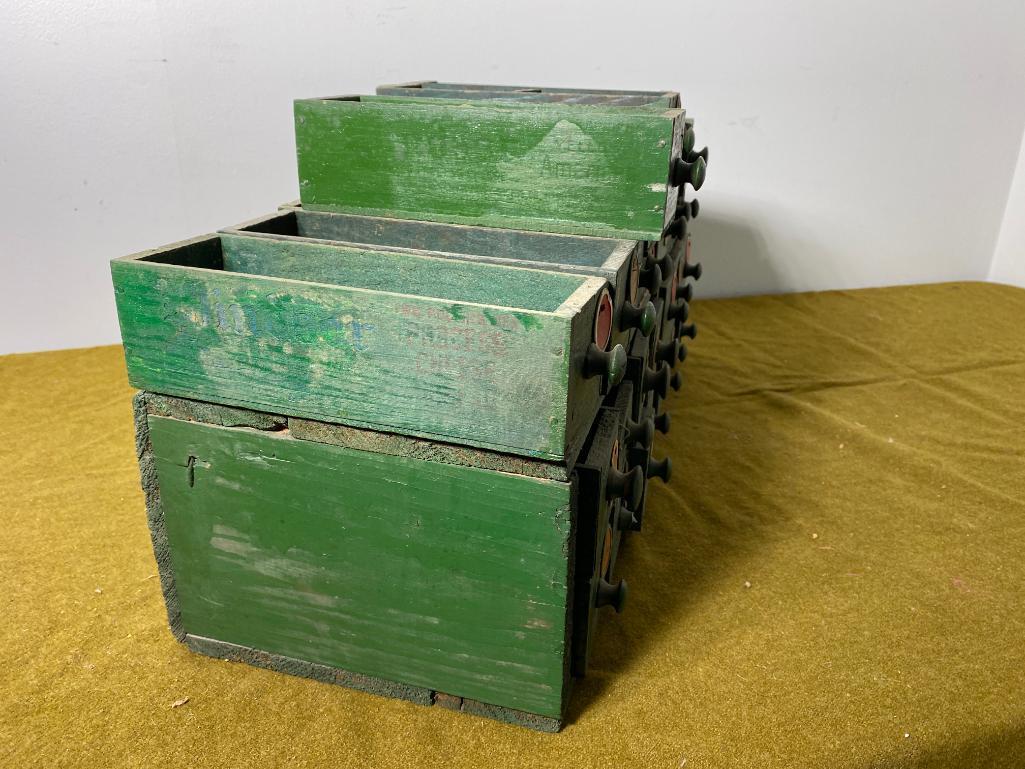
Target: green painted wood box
{"points": [[617, 261], [609, 98], [436, 573], [589, 170], [484, 355]]}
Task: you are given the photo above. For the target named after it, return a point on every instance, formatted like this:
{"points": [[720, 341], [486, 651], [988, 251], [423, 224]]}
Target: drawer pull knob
{"points": [[660, 468], [689, 139], [611, 595], [689, 329], [625, 520], [652, 278], [642, 433], [663, 422], [677, 381], [669, 352], [701, 153], [679, 310], [688, 172], [656, 380], [692, 270], [629, 486], [610, 364], [642, 317]]}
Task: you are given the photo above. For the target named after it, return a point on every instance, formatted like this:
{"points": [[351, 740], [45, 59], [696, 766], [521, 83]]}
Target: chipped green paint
{"points": [[589, 170], [529, 321], [347, 558], [222, 320]]}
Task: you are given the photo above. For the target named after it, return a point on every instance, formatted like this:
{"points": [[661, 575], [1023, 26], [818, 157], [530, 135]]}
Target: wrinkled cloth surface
{"points": [[834, 578]]}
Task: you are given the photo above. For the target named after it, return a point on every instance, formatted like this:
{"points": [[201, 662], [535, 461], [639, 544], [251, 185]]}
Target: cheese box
{"points": [[385, 563], [588, 170], [617, 261], [485, 355]]}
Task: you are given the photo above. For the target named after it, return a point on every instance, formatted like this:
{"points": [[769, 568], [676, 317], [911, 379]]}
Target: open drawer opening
{"points": [[389, 271], [446, 238]]}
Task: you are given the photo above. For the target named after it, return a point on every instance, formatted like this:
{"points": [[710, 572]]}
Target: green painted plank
{"points": [[592, 171], [672, 98], [306, 232], [652, 103], [517, 246], [398, 272], [502, 378], [431, 574]]}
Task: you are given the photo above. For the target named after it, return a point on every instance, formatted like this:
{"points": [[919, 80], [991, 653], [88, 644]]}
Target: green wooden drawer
{"points": [[589, 170], [478, 354], [618, 261], [434, 89], [395, 566]]}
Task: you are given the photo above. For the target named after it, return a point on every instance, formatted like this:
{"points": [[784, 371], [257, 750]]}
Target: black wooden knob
{"points": [[694, 155], [668, 351], [689, 329], [642, 317], [660, 468], [625, 520], [642, 432], [610, 364], [686, 209], [692, 270], [686, 293], [652, 278], [628, 486], [611, 595], [678, 226], [656, 380], [688, 172], [663, 422], [679, 310], [677, 381], [689, 137]]}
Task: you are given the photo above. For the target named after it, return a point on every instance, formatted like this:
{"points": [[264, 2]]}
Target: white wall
{"points": [[1009, 256], [853, 144]]}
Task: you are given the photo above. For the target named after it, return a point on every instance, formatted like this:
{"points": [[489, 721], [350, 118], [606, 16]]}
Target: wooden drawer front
{"points": [[605, 485], [618, 261], [430, 574], [549, 167], [485, 355]]}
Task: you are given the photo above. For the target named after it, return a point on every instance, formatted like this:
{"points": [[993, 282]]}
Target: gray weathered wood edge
{"points": [[395, 444], [615, 260], [143, 404], [364, 683], [608, 270], [155, 515], [428, 84]]}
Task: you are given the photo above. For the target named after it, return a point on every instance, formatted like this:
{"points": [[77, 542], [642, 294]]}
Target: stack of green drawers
{"points": [[392, 436]]}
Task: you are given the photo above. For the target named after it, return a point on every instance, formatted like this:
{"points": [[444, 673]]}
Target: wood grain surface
{"points": [[558, 168]]}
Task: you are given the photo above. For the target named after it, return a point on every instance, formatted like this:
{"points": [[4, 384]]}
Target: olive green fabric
{"points": [[834, 578]]}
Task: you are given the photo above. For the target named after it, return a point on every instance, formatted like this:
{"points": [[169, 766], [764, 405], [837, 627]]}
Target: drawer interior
{"points": [[388, 271], [447, 238]]}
